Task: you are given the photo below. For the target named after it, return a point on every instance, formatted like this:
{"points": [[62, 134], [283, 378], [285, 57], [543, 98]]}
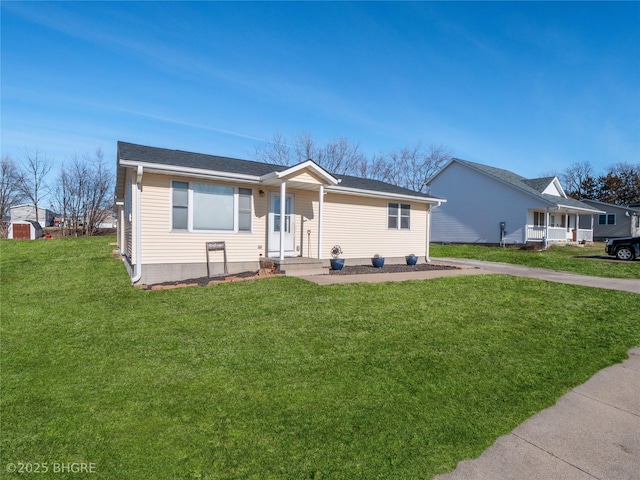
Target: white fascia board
{"points": [[191, 172], [558, 185], [585, 210], [371, 193]]}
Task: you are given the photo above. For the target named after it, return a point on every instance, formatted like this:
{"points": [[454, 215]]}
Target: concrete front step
{"points": [[298, 266]]}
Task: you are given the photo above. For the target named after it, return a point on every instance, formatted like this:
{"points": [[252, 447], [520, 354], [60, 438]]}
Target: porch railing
{"points": [[585, 235], [537, 233]]}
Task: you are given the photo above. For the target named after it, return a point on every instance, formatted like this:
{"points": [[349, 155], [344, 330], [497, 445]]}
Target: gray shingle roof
{"points": [[539, 184], [163, 156], [534, 186]]}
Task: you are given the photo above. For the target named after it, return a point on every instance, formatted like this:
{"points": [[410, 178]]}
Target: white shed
{"points": [[24, 230]]}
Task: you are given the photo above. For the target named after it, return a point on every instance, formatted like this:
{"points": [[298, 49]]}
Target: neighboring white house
{"points": [[615, 220], [490, 205], [171, 203], [24, 230], [26, 211]]}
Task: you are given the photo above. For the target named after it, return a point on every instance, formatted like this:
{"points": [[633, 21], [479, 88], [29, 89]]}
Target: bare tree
{"points": [[10, 193], [576, 178], [276, 152], [305, 148], [83, 193], [620, 185], [33, 173], [409, 167], [340, 156], [98, 196]]}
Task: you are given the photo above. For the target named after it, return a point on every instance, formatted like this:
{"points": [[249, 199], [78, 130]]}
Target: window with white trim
{"points": [[210, 207], [608, 219], [538, 219], [179, 205], [399, 216]]}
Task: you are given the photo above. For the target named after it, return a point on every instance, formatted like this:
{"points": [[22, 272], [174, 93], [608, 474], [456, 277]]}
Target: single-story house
{"points": [[170, 204], [489, 205], [615, 220], [27, 211], [24, 230]]}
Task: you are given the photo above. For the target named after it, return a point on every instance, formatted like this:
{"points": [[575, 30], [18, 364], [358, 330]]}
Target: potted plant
{"points": [[377, 261], [411, 259], [336, 263]]}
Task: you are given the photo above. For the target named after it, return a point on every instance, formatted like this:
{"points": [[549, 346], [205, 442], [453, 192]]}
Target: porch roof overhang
{"points": [[576, 210]]}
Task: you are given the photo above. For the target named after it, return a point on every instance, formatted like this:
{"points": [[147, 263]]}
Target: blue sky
{"points": [[531, 87]]}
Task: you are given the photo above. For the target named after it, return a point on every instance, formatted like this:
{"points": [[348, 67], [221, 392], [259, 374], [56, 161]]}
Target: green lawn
{"points": [[280, 378], [588, 260]]}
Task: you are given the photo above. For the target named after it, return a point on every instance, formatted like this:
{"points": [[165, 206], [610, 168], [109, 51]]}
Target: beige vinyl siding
{"points": [[161, 245], [305, 177], [359, 226], [306, 219]]}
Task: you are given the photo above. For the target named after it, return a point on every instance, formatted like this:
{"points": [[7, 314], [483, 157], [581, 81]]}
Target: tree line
{"points": [[81, 194], [407, 167], [619, 184]]}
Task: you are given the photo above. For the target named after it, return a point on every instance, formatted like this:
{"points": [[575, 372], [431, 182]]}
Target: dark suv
{"points": [[626, 248]]}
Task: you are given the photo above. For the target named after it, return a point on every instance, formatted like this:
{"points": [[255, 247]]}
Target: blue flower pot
{"points": [[337, 263], [411, 259], [378, 262]]}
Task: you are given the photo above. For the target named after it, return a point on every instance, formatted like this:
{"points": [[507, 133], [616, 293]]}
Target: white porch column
{"points": [[427, 254], [320, 219], [283, 203], [546, 229]]}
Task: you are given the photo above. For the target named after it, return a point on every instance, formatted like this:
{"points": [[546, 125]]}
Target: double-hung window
{"points": [[208, 206], [538, 219], [608, 219], [399, 216], [180, 205]]}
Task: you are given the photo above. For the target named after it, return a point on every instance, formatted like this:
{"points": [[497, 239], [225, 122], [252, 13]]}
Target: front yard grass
{"points": [[280, 378], [587, 260]]}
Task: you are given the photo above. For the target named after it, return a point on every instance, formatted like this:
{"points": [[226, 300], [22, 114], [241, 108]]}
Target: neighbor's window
{"points": [[207, 206], [538, 219], [608, 219], [399, 216]]}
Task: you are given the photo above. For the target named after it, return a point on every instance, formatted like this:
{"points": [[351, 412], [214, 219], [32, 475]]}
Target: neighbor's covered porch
{"points": [[559, 226]]}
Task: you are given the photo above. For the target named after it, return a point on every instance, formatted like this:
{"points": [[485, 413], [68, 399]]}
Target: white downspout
{"points": [[427, 256], [320, 219], [138, 266]]}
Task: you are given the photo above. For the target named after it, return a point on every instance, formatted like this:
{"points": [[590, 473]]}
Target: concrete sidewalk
{"points": [[478, 267], [624, 284], [592, 432]]}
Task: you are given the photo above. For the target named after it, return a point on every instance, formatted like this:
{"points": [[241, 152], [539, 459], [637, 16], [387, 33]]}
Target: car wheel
{"points": [[624, 253]]}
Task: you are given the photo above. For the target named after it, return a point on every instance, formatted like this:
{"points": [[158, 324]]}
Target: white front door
{"points": [[275, 223]]}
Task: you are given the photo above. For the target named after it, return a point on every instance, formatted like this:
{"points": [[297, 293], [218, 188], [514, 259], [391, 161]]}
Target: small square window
{"points": [[399, 216]]}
